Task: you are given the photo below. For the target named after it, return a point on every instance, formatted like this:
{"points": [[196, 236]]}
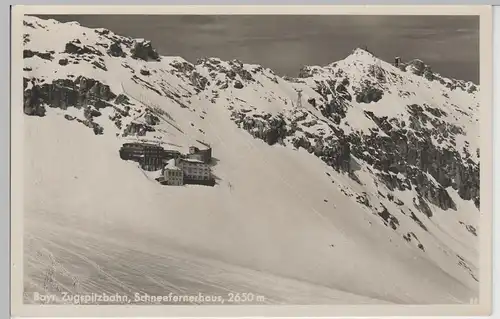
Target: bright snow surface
{"points": [[275, 225]]}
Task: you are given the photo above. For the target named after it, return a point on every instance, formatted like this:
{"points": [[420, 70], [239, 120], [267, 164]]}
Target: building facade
{"points": [[151, 157], [176, 168], [196, 156], [132, 151], [172, 175], [194, 170]]}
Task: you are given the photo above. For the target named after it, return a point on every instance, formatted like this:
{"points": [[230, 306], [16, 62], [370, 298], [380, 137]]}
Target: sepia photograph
{"points": [[250, 159]]}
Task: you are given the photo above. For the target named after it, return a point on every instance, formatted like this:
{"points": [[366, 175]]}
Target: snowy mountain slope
{"points": [[368, 193]]}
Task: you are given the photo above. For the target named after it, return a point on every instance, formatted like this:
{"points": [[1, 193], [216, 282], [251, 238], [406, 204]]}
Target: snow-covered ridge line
{"points": [[416, 65], [350, 87]]}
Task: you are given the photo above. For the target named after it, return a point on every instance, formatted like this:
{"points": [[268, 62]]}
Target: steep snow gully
{"points": [[364, 191]]}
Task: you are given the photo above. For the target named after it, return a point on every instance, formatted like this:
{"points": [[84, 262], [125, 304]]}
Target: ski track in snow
{"points": [[189, 275]]}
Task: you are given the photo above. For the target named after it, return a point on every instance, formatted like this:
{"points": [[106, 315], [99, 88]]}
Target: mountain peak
{"points": [[361, 55], [361, 51]]}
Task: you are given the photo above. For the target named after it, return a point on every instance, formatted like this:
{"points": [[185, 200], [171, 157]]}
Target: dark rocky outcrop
{"points": [[115, 50], [418, 67], [411, 235], [472, 89], [237, 68], [41, 55], [413, 155], [183, 67], [299, 142], [143, 50], [337, 154], [368, 94], [33, 103], [422, 206], [324, 88], [151, 119], [63, 62], [122, 99], [342, 91], [137, 129], [238, 84], [88, 121], [363, 199], [269, 129], [305, 72], [117, 117], [65, 93], [335, 109], [199, 81], [28, 24], [312, 101], [471, 229], [75, 47], [89, 113], [388, 218], [102, 31], [99, 65], [418, 221], [98, 130]]}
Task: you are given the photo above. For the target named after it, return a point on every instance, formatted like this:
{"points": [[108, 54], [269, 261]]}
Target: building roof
{"points": [[171, 165], [204, 143], [192, 160], [141, 144], [203, 147]]}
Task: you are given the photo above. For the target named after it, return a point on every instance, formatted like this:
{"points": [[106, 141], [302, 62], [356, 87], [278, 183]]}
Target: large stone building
{"points": [[151, 157], [132, 151], [176, 168], [172, 175], [194, 170]]}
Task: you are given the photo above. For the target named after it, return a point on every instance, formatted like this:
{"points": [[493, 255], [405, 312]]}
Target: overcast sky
{"points": [[450, 44]]}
